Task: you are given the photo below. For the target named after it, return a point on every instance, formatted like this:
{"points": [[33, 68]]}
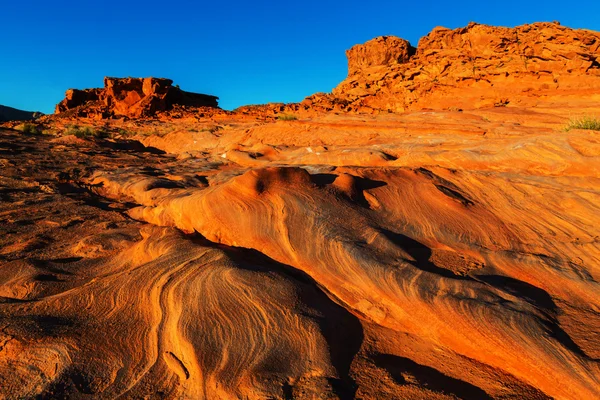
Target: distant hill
{"points": [[13, 114]]}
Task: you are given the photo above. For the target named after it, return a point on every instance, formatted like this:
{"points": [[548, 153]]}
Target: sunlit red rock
{"points": [[339, 251], [131, 97], [475, 66]]}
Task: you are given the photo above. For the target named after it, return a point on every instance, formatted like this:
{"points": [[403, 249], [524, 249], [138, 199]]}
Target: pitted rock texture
{"points": [[478, 65], [130, 97], [381, 51]]}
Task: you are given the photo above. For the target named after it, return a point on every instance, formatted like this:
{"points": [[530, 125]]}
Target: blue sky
{"points": [[248, 52]]}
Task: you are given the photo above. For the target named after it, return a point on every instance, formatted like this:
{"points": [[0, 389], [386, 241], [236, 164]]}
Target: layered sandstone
{"points": [[427, 255], [131, 97], [475, 66], [430, 254]]}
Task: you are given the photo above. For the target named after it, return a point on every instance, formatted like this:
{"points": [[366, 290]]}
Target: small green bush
{"points": [[86, 132], [586, 122], [29, 128], [286, 117], [212, 129], [125, 133]]}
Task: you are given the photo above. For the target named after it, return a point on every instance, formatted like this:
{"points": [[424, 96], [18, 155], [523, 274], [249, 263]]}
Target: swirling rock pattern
{"points": [[434, 254], [269, 265]]}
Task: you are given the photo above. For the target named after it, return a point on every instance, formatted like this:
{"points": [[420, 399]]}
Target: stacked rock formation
{"points": [[131, 97]]}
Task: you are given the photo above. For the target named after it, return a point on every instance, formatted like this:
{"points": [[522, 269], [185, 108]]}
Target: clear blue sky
{"points": [[245, 52]]}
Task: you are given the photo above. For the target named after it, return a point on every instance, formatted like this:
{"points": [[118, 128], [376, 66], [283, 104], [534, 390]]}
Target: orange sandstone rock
{"points": [[131, 97], [429, 254], [475, 66]]}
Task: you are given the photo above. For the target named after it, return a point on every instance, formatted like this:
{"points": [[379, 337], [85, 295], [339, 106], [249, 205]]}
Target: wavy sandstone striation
{"points": [[434, 254]]}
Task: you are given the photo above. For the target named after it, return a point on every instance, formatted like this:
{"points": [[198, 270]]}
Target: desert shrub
{"points": [[125, 132], [586, 122], [212, 129], [86, 132], [287, 117], [29, 128]]}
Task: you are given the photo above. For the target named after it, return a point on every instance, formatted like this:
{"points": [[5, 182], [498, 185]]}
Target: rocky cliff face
{"points": [[474, 66], [131, 97]]}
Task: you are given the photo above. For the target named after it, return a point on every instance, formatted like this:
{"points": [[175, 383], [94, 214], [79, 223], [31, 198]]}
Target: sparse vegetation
{"points": [[287, 117], [86, 132], [212, 129], [585, 122], [29, 128], [125, 133]]}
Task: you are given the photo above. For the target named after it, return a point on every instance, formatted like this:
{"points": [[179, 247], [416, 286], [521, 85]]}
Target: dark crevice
{"points": [[540, 299], [180, 363], [445, 186], [523, 290], [129, 145], [420, 253], [323, 180], [47, 278], [454, 194], [288, 393], [406, 371], [333, 319]]}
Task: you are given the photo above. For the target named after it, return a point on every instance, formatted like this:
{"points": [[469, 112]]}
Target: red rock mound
{"points": [[131, 97], [383, 50], [471, 67]]}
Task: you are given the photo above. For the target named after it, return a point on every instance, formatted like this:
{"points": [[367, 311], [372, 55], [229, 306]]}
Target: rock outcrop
{"points": [[475, 66], [383, 50], [131, 97]]}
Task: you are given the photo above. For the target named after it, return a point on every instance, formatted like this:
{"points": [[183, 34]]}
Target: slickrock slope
{"points": [[130, 97], [434, 254]]}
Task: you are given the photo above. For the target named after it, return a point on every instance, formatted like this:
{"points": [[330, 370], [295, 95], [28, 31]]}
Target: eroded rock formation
{"points": [[434, 254], [131, 97], [475, 66], [383, 50]]}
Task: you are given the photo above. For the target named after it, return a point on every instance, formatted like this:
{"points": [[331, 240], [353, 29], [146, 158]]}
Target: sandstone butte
{"points": [[428, 230], [130, 97]]}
